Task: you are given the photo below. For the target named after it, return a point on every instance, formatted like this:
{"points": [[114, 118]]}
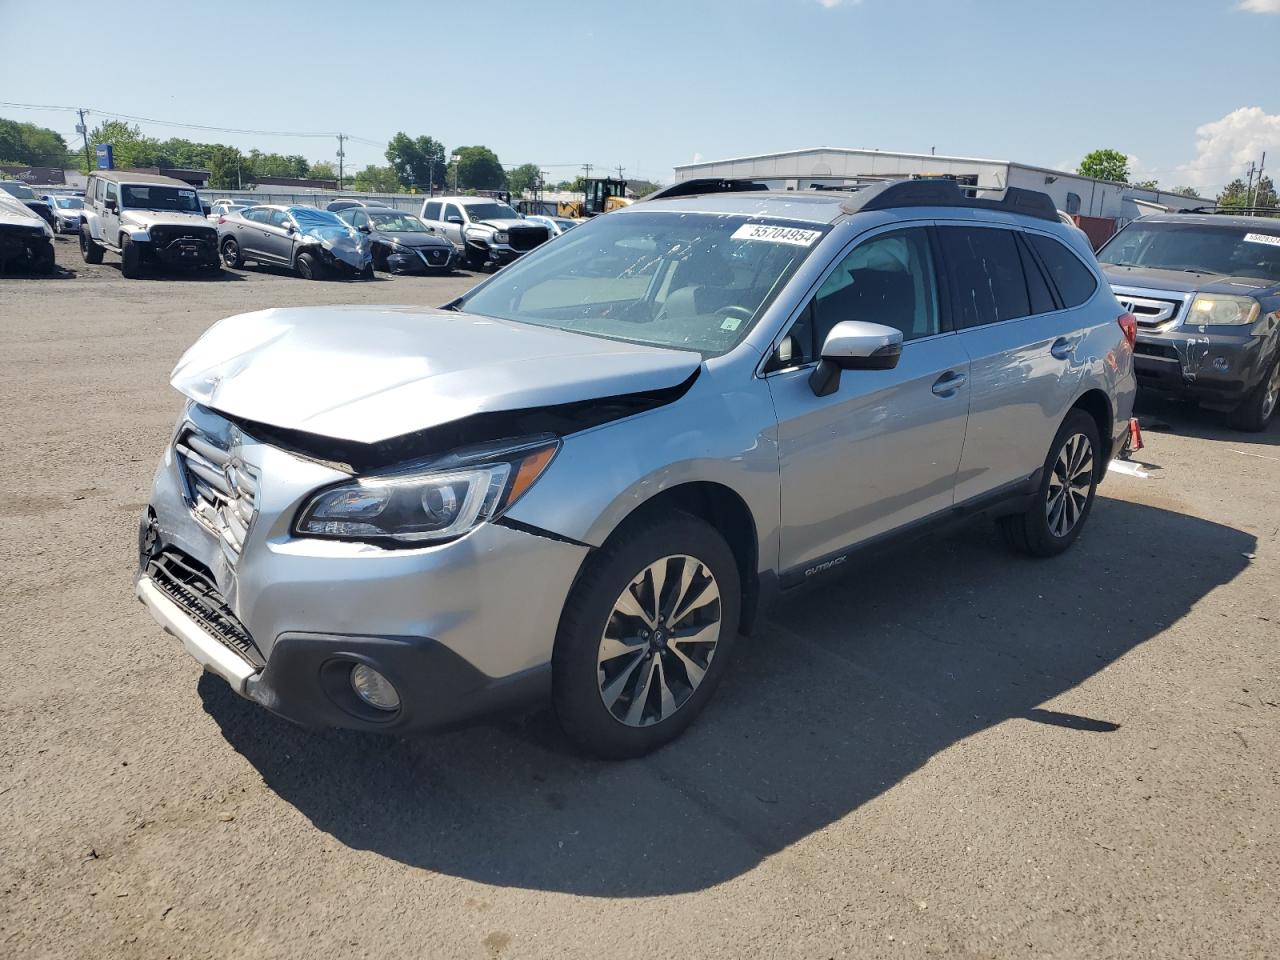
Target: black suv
{"points": [[1205, 288]]}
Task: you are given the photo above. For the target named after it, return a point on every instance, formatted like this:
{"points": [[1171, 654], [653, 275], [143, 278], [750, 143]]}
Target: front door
{"points": [[882, 450], [451, 230], [278, 235], [111, 213]]}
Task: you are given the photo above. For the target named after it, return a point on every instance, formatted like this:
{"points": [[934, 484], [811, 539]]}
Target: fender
{"points": [[94, 223]]}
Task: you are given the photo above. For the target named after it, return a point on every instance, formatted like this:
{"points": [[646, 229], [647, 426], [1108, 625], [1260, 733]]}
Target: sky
{"points": [[1186, 88]]}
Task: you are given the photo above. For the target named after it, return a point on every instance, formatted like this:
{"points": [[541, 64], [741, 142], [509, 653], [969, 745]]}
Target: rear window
{"points": [[1075, 281], [986, 273]]}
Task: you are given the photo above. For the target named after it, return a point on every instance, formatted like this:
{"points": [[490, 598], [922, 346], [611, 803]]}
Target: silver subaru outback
{"points": [[583, 479]]}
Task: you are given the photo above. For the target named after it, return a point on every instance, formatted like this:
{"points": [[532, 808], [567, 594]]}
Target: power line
{"points": [[112, 115]]}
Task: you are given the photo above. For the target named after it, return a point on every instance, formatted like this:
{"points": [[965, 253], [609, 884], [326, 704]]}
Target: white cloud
{"points": [[1225, 147], [829, 4], [1253, 6]]}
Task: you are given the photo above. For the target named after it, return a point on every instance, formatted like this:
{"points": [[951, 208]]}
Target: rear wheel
{"points": [[645, 636], [130, 259], [1257, 409], [1064, 499], [308, 267], [231, 256], [90, 251]]}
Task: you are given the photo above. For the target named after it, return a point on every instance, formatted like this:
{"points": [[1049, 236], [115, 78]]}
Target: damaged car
{"points": [[584, 478], [399, 242], [148, 220], [484, 231], [1205, 289], [314, 244], [26, 242]]}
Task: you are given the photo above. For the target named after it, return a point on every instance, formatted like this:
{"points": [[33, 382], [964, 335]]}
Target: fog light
{"points": [[373, 688]]}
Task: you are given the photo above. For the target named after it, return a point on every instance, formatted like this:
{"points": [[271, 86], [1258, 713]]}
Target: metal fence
{"points": [[411, 202]]}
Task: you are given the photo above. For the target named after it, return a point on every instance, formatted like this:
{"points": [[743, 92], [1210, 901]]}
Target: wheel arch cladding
{"points": [[725, 510], [1095, 403]]}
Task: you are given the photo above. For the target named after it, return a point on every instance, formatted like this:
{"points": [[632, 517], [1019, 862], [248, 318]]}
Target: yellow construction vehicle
{"points": [[599, 196]]}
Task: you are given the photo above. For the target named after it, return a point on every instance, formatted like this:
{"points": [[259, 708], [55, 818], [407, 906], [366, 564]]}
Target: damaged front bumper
{"points": [[460, 628], [1218, 369]]}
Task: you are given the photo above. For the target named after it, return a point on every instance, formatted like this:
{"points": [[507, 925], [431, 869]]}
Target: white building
{"points": [[1071, 192]]}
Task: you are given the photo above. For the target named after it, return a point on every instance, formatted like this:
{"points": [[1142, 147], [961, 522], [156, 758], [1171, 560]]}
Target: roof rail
{"points": [[882, 194], [1237, 211]]}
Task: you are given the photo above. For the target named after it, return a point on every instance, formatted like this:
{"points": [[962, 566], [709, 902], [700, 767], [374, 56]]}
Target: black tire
{"points": [[130, 259], [230, 252], [308, 267], [578, 677], [89, 250], [367, 273], [1256, 410], [1033, 531], [476, 259], [43, 262]]}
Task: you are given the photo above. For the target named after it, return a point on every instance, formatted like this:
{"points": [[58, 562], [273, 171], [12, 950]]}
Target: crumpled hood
{"points": [[150, 218], [372, 373], [505, 224], [1179, 281]]}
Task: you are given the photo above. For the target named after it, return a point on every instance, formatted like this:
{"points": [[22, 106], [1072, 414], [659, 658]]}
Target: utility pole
{"points": [[84, 132], [1248, 187], [621, 171], [341, 154], [1253, 197]]}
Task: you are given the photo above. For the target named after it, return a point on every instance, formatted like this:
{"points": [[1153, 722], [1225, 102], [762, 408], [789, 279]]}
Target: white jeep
{"points": [[146, 219]]}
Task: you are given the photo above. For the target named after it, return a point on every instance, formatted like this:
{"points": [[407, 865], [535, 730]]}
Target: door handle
{"points": [[1064, 347], [948, 384]]}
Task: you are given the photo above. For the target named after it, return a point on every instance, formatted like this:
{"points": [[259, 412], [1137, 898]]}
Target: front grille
{"points": [[1150, 312], [191, 586], [167, 236], [526, 238], [222, 490], [1160, 351], [436, 256]]}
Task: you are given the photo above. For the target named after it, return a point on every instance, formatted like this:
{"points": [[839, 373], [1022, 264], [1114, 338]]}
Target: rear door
{"points": [[251, 232], [882, 450], [1022, 346]]}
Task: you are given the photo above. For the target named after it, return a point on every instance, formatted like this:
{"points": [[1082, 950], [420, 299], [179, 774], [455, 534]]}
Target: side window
{"points": [[1075, 281], [451, 210], [1073, 203], [111, 191], [361, 219], [888, 279], [1037, 287], [278, 218], [986, 273], [432, 210]]}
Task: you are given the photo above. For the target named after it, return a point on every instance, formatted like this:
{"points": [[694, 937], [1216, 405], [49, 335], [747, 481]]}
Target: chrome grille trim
{"points": [[222, 490]]}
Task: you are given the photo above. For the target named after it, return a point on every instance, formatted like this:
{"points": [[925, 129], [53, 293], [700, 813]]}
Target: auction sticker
{"points": [[770, 234], [1250, 238]]}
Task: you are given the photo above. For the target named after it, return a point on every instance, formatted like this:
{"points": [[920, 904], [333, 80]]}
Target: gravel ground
{"points": [[952, 751]]}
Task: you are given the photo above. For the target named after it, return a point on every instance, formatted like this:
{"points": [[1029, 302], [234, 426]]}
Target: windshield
{"points": [[19, 190], [692, 281], [1197, 247], [397, 223], [153, 197], [320, 223], [491, 211], [68, 203]]}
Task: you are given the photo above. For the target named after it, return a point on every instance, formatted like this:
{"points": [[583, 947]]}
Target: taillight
{"points": [[1129, 324]]}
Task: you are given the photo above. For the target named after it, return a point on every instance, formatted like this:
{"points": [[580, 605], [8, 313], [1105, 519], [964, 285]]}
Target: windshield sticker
{"points": [[1266, 238], [791, 235], [731, 323]]}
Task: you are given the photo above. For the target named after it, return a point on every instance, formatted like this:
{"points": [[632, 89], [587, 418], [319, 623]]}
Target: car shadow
{"points": [[1160, 414], [841, 694], [57, 273]]}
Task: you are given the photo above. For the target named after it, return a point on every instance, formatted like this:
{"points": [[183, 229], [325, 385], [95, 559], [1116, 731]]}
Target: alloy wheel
{"points": [[659, 640], [1069, 485], [1273, 392]]}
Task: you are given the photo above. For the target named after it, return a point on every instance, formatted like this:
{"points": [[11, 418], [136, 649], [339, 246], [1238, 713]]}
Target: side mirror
{"points": [[289, 228], [854, 345], [457, 220], [365, 228], [112, 205]]}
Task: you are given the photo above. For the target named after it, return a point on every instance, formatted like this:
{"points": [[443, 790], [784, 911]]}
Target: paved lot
{"points": [[954, 751]]}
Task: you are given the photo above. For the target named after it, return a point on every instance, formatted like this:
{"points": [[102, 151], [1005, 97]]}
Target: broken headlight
{"points": [[502, 237], [440, 502], [1223, 310]]}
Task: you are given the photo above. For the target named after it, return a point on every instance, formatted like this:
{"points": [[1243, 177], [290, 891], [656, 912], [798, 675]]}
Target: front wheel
{"points": [[90, 251], [1257, 409], [308, 267], [645, 636], [130, 259], [1065, 496]]}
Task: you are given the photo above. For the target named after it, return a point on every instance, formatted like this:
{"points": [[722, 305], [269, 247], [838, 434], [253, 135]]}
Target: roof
{"points": [[816, 207], [128, 176]]}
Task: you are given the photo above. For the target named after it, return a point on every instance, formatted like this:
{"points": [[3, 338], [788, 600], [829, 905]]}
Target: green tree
{"points": [[30, 144], [527, 176], [278, 165], [643, 188], [324, 170], [478, 168], [1105, 165], [228, 167], [1147, 184], [1186, 191], [418, 162], [1237, 193], [376, 179], [129, 148]]}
